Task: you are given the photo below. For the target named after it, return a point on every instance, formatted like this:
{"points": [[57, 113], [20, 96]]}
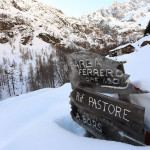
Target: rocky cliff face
{"points": [[31, 19], [121, 21]]}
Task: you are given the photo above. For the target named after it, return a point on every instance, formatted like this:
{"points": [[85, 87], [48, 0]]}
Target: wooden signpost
{"points": [[110, 114], [104, 117]]}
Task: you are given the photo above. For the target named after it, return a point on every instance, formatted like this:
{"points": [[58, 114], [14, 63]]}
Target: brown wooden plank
{"points": [[97, 73], [126, 115], [104, 129]]}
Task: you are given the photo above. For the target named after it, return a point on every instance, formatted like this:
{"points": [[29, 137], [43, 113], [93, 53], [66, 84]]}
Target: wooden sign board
{"points": [[104, 129], [97, 73], [103, 116], [120, 121]]}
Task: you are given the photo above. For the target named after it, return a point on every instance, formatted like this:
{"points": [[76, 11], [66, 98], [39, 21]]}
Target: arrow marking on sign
{"points": [[128, 137]]}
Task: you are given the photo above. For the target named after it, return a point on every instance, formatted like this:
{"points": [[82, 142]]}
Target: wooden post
{"points": [[123, 97]]}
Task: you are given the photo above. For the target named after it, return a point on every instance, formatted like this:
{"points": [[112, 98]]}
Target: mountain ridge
{"points": [[123, 19]]}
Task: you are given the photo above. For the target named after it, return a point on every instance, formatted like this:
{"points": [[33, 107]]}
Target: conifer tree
{"points": [[147, 30]]}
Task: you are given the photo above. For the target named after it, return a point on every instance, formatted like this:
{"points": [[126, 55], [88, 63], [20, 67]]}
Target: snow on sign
{"points": [[108, 118], [97, 73]]}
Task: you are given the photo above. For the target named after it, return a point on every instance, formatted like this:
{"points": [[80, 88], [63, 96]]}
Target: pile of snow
{"points": [[137, 67], [41, 120]]}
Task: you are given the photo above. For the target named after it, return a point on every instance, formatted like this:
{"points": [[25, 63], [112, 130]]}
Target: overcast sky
{"points": [[78, 7]]}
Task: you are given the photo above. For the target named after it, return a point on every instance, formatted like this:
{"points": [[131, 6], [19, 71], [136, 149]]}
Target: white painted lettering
{"points": [[109, 72], [84, 72], [119, 74], [80, 71], [99, 105], [88, 63], [125, 114], [90, 101], [95, 72], [89, 71], [99, 127], [94, 123], [102, 72], [97, 62], [104, 105], [79, 97], [109, 109], [89, 121], [118, 111], [81, 62], [76, 64], [115, 81]]}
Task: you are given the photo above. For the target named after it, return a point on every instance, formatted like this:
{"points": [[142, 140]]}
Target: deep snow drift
{"points": [[41, 121]]}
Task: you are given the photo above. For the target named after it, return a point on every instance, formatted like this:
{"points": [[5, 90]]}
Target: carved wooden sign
{"points": [[120, 112], [102, 128], [97, 73], [103, 116]]}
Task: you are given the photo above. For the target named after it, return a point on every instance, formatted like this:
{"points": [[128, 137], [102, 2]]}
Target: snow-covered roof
{"points": [[120, 47]]}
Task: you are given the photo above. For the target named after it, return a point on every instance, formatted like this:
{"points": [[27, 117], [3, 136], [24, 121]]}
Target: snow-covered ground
{"points": [[41, 121]]}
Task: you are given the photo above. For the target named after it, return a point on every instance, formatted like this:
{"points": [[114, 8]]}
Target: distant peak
{"points": [[115, 3]]}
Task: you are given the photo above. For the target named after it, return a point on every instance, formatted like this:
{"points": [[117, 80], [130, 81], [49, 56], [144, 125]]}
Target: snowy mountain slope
{"points": [[137, 67], [122, 21], [32, 33], [37, 18], [41, 120]]}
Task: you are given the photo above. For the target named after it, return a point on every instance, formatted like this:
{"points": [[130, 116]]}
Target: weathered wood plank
{"points": [[102, 128], [97, 73], [126, 115]]}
